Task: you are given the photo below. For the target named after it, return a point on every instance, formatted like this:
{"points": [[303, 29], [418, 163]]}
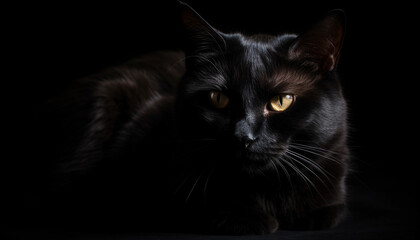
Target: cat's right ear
{"points": [[200, 37], [321, 44]]}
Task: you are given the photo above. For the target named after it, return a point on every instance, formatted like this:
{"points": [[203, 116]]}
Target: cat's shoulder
{"points": [[138, 80], [156, 71]]}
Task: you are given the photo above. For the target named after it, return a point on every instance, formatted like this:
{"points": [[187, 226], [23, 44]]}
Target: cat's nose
{"points": [[248, 140], [244, 133]]}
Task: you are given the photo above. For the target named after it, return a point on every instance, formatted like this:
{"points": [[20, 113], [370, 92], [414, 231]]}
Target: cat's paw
{"points": [[244, 223], [323, 218]]}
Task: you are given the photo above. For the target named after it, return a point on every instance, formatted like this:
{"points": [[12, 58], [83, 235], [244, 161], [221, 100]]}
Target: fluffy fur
{"points": [[142, 141]]}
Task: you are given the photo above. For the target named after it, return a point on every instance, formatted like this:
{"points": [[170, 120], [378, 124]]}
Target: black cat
{"points": [[236, 134]]}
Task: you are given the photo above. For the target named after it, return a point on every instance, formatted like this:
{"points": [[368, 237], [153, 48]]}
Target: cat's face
{"points": [[246, 101]]}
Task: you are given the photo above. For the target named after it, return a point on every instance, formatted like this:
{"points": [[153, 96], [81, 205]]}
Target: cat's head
{"points": [[248, 100]]}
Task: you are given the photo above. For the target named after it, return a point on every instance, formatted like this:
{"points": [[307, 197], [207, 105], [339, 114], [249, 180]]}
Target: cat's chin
{"points": [[253, 162]]}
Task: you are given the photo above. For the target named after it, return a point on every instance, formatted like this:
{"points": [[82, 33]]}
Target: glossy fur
{"points": [[142, 141]]}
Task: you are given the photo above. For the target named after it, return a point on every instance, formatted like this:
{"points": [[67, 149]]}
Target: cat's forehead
{"points": [[261, 62], [248, 66]]}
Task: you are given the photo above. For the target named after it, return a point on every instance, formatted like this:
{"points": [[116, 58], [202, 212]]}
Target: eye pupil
{"points": [[281, 102], [218, 99]]}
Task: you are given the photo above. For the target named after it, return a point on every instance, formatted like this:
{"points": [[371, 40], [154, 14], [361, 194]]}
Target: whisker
{"points": [[306, 167], [193, 187], [311, 162], [320, 152], [218, 69], [303, 175], [300, 173], [315, 148], [207, 181], [185, 180], [277, 171], [297, 160], [289, 179]]}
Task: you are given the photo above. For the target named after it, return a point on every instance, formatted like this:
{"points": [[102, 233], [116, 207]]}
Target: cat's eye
{"points": [[281, 102], [218, 99]]}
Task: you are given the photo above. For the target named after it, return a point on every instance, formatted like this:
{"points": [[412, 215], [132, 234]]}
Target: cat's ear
{"points": [[320, 45], [200, 36]]}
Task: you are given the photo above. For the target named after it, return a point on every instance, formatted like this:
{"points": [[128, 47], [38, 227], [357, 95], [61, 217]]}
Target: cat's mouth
{"points": [[259, 157]]}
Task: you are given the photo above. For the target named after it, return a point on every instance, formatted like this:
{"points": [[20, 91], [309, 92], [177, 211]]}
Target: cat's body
{"points": [[107, 142], [196, 137]]}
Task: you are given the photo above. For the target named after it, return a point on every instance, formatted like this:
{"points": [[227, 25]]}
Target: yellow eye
{"points": [[281, 102], [218, 99]]}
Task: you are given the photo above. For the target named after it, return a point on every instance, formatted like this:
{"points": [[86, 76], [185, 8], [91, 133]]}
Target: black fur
{"points": [[141, 144]]}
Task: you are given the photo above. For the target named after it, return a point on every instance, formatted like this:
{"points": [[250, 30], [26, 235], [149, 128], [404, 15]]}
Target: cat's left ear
{"points": [[321, 44], [200, 36]]}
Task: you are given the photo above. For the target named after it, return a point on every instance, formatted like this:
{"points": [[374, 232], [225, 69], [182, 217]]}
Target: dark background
{"points": [[50, 45]]}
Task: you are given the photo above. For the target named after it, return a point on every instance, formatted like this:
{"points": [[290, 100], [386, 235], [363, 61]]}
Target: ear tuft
{"points": [[321, 44], [200, 36]]}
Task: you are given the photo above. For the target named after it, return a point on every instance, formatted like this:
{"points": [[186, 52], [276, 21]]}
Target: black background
{"points": [[49, 45]]}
